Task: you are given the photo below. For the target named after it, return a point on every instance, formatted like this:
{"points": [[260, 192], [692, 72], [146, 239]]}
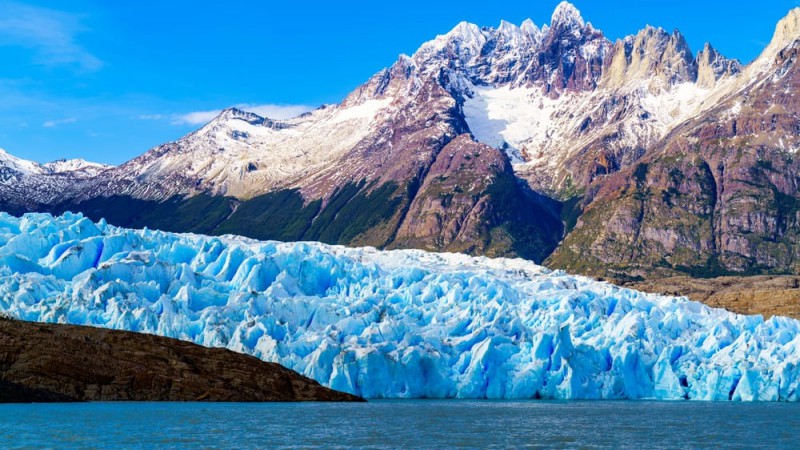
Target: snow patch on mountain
{"points": [[522, 121], [536, 129], [395, 323]]}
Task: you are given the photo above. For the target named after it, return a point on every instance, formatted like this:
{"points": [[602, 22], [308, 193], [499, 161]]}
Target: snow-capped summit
{"points": [[17, 169], [566, 16], [529, 27], [507, 29], [9, 162], [465, 38], [76, 166], [234, 113]]}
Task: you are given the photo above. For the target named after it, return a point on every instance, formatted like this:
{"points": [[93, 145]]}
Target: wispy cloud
{"points": [[150, 117], [272, 111], [195, 117], [55, 123], [50, 33]]}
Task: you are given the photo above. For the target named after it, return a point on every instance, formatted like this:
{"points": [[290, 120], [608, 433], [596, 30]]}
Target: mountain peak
{"points": [[506, 26], [464, 36], [787, 31], [711, 66], [232, 113], [566, 15], [465, 31], [530, 28]]}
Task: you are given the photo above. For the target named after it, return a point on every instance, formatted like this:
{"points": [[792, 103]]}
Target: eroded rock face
{"points": [[712, 66], [718, 196], [651, 54], [47, 363], [471, 202]]}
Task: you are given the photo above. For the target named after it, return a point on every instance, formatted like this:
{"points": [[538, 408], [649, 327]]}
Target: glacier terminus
{"points": [[395, 324]]}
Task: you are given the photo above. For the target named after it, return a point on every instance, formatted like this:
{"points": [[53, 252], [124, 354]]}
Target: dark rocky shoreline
{"points": [[66, 363]]}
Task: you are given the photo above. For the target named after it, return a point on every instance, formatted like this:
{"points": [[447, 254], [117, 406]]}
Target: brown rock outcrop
{"points": [[766, 295], [56, 363]]}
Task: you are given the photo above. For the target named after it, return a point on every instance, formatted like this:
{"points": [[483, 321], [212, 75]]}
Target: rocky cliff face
{"points": [[46, 363], [717, 196]]}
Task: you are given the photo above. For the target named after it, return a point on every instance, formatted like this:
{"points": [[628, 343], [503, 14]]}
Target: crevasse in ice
{"points": [[394, 323]]}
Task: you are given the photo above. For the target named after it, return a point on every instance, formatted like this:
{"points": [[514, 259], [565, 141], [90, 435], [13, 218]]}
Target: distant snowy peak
{"points": [[13, 167], [566, 16], [567, 55], [242, 154], [239, 114], [10, 163], [77, 166], [570, 55], [459, 46]]}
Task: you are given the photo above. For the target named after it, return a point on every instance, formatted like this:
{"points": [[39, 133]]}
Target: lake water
{"points": [[403, 424]]}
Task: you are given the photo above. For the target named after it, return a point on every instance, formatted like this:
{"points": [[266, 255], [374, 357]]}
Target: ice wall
{"points": [[394, 323]]}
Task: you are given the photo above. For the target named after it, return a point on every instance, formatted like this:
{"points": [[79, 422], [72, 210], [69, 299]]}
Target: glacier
{"points": [[395, 324]]}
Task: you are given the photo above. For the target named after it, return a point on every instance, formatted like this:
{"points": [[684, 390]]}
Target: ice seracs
{"points": [[395, 323]]}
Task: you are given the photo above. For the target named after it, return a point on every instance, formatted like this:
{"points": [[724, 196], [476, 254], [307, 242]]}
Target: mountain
{"points": [[717, 196], [27, 184], [13, 169], [625, 159]]}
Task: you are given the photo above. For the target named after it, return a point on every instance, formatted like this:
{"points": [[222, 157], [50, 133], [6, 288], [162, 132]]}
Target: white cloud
{"points": [[50, 33], [55, 123], [196, 117], [272, 111], [150, 117]]}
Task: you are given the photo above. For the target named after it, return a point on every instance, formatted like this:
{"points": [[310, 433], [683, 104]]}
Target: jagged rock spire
{"points": [[712, 66]]}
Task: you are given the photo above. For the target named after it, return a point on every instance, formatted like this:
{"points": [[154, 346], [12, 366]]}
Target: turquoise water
{"points": [[402, 424]]}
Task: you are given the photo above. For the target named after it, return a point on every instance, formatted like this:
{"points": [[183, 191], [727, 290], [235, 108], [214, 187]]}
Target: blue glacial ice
{"points": [[395, 323]]}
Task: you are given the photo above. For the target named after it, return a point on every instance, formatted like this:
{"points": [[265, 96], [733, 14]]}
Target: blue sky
{"points": [[107, 80]]}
